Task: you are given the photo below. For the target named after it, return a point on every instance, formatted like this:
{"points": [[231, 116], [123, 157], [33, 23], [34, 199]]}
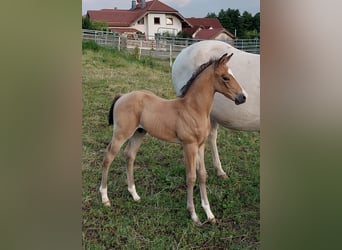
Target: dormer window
{"points": [[169, 21], [141, 21]]}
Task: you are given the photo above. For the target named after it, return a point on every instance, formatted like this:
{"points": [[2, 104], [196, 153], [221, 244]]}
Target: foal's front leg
{"points": [[202, 173], [190, 155]]}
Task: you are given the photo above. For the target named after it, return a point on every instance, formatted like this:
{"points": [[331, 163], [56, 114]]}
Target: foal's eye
{"points": [[225, 78]]}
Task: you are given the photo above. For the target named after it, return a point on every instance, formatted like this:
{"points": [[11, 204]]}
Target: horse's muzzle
{"points": [[240, 98]]}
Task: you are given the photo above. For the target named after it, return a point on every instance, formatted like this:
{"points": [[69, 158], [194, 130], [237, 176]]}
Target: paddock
{"points": [[159, 171]]}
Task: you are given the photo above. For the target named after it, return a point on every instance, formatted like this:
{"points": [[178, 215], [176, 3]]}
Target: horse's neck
{"points": [[200, 95]]}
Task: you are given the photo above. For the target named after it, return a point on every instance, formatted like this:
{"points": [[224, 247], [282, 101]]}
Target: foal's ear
{"points": [[224, 59], [228, 58]]}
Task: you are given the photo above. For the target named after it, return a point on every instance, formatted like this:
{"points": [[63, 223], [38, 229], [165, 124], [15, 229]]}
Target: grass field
{"points": [[161, 220]]}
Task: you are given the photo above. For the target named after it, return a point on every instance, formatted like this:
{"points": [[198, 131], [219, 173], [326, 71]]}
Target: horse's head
{"points": [[225, 82]]}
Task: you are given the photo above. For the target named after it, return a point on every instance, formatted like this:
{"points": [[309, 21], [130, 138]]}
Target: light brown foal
{"points": [[184, 120]]}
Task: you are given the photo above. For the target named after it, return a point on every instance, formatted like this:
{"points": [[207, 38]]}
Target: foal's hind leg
{"points": [[111, 151], [212, 138], [130, 154]]}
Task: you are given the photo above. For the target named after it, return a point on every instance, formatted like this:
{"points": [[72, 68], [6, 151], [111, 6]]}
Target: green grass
{"points": [[161, 220]]}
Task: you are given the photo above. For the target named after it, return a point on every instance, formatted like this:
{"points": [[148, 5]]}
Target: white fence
{"points": [[164, 47], [103, 38], [248, 45]]}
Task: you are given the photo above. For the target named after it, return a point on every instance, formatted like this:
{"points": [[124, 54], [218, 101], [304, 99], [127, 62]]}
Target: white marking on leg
{"points": [[207, 210], [193, 215], [195, 218], [104, 196], [133, 192]]}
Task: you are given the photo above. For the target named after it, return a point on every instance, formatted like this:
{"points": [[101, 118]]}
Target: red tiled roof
{"points": [[205, 28], [207, 34], [156, 5], [190, 31], [119, 18], [124, 18], [205, 22]]}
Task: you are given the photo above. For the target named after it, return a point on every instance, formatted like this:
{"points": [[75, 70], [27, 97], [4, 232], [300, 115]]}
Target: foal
{"points": [[184, 120]]}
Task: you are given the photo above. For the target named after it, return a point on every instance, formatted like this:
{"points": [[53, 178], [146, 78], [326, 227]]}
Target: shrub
{"points": [[92, 45]]}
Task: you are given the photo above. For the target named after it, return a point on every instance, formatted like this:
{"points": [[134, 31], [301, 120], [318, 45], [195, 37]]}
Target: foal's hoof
{"points": [[137, 200], [223, 176], [198, 223], [106, 203], [196, 220], [212, 220]]}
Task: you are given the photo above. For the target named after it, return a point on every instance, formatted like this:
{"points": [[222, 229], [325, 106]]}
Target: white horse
{"points": [[246, 69]]}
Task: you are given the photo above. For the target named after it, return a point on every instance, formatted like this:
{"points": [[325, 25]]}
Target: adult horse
{"points": [[246, 68], [183, 120]]}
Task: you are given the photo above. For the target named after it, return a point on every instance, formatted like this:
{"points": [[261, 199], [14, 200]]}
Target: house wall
{"points": [[152, 28], [223, 37], [141, 27]]}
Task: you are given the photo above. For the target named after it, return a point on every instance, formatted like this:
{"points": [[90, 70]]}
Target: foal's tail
{"points": [[110, 114]]}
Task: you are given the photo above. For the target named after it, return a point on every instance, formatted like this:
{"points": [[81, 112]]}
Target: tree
{"points": [[93, 25], [230, 20], [99, 25], [211, 15], [86, 23], [251, 34], [247, 21], [182, 34], [256, 21], [246, 25]]}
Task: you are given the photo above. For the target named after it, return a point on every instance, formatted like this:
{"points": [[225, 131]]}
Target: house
{"points": [[150, 18], [207, 29], [154, 18]]}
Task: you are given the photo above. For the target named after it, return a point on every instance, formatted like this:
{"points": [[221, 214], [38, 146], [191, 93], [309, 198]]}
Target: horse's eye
{"points": [[225, 78]]}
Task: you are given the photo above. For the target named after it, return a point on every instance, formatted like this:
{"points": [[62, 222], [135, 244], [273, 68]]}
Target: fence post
{"points": [[141, 42], [113, 40], [119, 43], [170, 55], [256, 44]]}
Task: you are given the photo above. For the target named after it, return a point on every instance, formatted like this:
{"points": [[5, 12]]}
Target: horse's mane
{"points": [[198, 71]]}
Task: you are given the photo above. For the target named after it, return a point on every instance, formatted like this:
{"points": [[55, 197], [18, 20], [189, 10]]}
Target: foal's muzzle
{"points": [[240, 98]]}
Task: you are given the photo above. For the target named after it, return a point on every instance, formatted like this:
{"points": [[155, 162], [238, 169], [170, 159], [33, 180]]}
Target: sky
{"points": [[187, 8]]}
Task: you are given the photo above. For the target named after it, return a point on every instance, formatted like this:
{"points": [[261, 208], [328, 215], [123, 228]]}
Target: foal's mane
{"points": [[198, 71]]}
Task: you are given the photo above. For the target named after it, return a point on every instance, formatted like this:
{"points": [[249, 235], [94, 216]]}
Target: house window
{"points": [[141, 21], [169, 21], [157, 20]]}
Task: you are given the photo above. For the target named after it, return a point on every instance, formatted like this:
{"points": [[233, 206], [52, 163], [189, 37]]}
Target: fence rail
{"points": [[248, 45], [164, 47], [103, 38]]}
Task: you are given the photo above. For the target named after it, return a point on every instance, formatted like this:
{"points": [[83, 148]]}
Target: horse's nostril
{"points": [[241, 98]]}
